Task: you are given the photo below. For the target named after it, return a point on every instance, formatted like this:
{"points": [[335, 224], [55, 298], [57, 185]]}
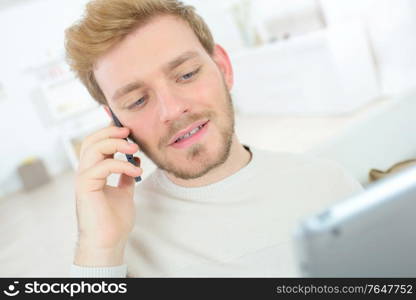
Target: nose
{"points": [[171, 105]]}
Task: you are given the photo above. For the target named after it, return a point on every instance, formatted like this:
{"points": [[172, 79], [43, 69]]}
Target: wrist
{"points": [[87, 256]]}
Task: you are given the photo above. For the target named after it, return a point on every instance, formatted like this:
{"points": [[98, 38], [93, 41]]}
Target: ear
{"points": [[223, 62]]}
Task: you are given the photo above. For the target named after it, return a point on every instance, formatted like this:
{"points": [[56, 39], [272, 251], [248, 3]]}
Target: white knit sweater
{"points": [[239, 227]]}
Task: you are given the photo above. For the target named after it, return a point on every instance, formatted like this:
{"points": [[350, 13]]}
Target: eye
{"points": [[188, 76], [139, 102]]}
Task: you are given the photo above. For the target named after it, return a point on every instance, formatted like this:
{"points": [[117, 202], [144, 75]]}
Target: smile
{"points": [[191, 137]]}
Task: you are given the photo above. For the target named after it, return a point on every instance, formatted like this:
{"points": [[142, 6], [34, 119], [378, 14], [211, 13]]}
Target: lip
{"points": [[190, 128]]}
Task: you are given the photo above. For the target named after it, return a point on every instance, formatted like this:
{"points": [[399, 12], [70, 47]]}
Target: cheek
{"points": [[209, 90], [144, 131]]}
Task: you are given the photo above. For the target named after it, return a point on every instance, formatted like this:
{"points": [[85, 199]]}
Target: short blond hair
{"points": [[107, 22]]}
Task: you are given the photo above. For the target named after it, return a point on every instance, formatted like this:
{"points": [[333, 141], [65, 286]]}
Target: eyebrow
{"points": [[173, 64]]}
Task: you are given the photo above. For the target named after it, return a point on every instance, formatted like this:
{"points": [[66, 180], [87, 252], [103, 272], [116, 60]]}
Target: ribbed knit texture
{"points": [[113, 272]]}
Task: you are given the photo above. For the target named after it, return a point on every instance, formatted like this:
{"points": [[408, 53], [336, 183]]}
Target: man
{"points": [[213, 207]]}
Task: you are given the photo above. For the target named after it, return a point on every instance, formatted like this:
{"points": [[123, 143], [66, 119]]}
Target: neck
{"points": [[237, 159]]}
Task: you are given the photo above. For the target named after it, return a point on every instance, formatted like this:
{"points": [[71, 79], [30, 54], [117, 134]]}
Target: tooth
{"points": [[189, 133]]}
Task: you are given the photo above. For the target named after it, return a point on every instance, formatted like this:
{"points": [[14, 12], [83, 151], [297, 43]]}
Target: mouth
{"points": [[190, 135]]}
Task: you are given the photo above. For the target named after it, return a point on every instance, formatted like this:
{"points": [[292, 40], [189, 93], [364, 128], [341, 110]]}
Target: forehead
{"points": [[145, 50]]}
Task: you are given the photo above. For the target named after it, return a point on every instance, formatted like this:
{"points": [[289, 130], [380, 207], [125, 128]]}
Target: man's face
{"points": [[161, 83]]}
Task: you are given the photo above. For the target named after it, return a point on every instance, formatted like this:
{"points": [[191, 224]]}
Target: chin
{"points": [[198, 160]]}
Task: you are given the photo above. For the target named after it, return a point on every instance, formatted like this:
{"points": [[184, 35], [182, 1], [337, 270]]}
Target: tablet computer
{"points": [[370, 234]]}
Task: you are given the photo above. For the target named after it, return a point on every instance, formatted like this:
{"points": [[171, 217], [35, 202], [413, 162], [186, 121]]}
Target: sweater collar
{"points": [[209, 192]]}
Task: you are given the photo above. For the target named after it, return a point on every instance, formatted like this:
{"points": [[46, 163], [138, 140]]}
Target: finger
{"points": [[95, 178], [105, 149], [127, 181], [106, 133]]}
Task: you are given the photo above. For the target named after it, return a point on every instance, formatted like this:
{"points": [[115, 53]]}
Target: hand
{"points": [[105, 214]]}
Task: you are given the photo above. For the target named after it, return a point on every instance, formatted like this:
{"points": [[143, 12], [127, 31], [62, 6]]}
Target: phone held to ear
{"points": [[129, 157]]}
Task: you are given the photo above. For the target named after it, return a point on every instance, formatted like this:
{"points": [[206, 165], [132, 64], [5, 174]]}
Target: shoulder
{"points": [[307, 168], [290, 160]]}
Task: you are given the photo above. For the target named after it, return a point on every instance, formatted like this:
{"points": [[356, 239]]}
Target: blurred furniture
{"points": [[385, 137], [322, 73], [33, 174], [377, 135]]}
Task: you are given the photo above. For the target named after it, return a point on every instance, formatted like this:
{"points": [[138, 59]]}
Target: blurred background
{"points": [[334, 78]]}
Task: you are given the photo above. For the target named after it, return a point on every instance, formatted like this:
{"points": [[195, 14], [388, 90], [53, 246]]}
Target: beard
{"points": [[198, 160]]}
